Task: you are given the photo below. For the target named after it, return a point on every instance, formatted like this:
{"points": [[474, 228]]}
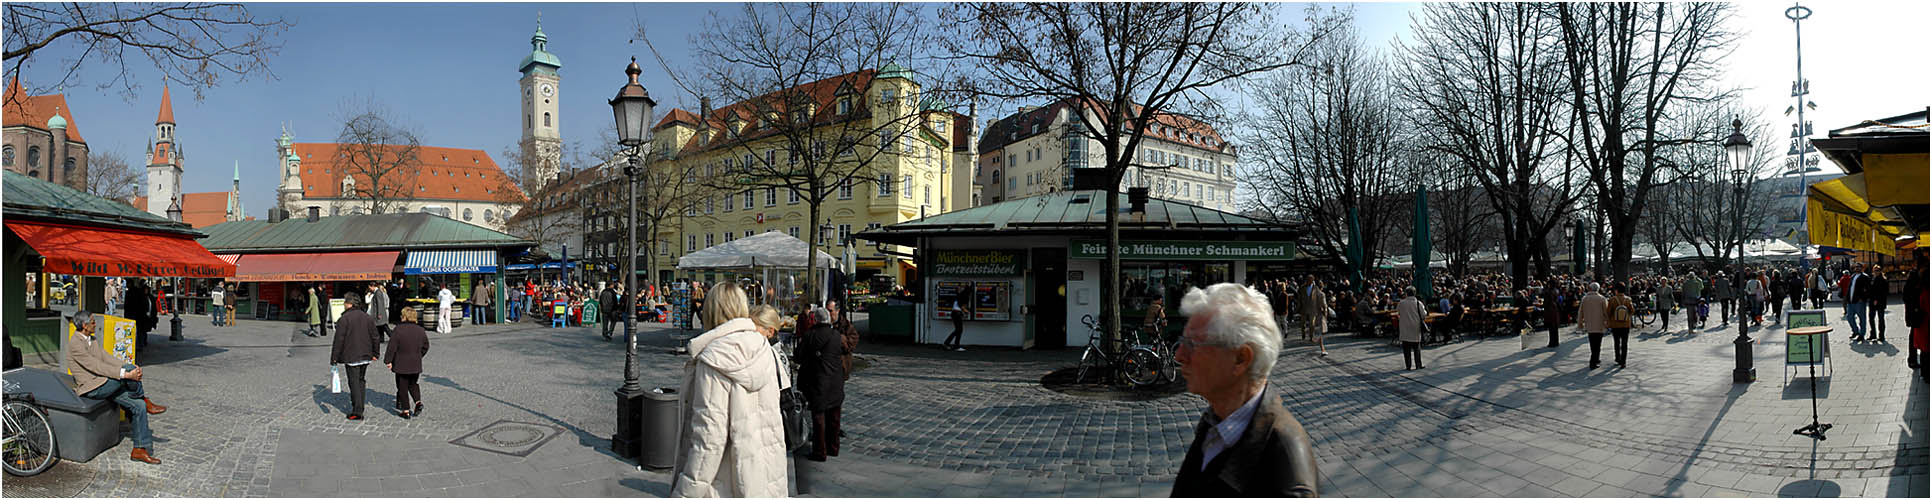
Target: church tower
{"points": [[234, 197], [542, 145], [164, 161], [289, 195]]}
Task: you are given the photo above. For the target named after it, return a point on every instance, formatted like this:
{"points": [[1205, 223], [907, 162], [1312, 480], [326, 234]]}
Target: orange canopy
{"points": [[111, 252], [336, 266]]}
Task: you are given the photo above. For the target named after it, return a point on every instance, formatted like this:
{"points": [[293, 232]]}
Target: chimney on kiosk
{"points": [[315, 214]]}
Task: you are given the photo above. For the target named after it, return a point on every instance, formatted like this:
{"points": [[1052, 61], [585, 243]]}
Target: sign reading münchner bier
{"points": [[1188, 250], [978, 262]]}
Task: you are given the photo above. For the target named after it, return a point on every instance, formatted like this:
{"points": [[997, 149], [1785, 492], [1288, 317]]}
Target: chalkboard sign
{"points": [[1805, 349]]}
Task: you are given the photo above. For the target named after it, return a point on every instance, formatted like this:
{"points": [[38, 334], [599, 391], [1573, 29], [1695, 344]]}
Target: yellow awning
{"points": [[1897, 179], [1839, 215]]}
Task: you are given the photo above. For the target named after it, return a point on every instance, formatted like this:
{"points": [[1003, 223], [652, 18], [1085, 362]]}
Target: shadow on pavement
{"points": [[585, 438], [161, 352], [1874, 349], [1800, 386], [1730, 399], [662, 490]]}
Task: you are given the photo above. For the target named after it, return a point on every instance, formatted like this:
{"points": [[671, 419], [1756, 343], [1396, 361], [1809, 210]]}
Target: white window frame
{"points": [[771, 197], [908, 187], [690, 243], [791, 196], [731, 201], [750, 200], [845, 233], [845, 189], [885, 185]]}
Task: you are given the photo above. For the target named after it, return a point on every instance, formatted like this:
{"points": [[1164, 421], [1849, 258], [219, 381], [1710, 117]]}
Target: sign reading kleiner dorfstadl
{"points": [[978, 262], [1187, 250]]}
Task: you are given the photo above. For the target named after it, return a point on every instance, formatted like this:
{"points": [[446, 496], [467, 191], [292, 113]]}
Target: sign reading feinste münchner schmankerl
{"points": [[1187, 250]]}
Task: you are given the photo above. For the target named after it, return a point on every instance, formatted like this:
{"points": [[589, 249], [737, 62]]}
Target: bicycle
{"points": [[1140, 364], [29, 437]]}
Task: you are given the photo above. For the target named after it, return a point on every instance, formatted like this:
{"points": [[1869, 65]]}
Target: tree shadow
{"points": [[654, 488], [165, 352], [1730, 400], [601, 445]]}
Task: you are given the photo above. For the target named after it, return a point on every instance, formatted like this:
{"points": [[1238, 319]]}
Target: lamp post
{"points": [[174, 325], [632, 107], [1737, 149]]}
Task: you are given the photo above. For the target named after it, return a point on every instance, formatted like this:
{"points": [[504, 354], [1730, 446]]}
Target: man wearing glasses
{"points": [[100, 376], [1246, 445]]}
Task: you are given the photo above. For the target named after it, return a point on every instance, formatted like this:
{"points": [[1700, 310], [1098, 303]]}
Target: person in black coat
{"points": [[1879, 292], [407, 346], [356, 346], [821, 375], [139, 306]]}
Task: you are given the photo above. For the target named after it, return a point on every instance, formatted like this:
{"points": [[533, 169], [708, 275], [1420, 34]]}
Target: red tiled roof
{"points": [[675, 116], [443, 174], [563, 192], [197, 209], [33, 111], [822, 93], [167, 107], [1175, 128]]}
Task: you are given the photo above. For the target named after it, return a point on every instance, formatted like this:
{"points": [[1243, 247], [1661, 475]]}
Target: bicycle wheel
{"points": [[1647, 316], [1088, 360], [1142, 366], [29, 442]]}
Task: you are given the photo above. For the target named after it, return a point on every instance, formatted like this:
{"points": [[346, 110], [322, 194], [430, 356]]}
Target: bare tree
{"points": [[376, 158], [1485, 79], [192, 44], [109, 176], [1629, 68], [1463, 222], [1125, 66], [1327, 139], [1719, 224], [783, 68]]}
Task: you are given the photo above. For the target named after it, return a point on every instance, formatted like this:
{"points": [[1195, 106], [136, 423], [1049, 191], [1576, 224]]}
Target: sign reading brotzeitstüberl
{"points": [[1188, 250], [978, 262]]}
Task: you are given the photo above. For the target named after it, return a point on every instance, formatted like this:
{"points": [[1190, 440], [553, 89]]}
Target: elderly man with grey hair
{"points": [[821, 375], [1247, 444], [1593, 315], [99, 375]]}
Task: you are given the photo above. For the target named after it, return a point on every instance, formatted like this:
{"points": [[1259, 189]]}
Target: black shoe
{"points": [[1593, 366], [419, 408], [404, 414]]}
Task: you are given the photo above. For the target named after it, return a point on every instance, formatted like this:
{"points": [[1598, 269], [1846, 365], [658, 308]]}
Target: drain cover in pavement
{"points": [[509, 438]]}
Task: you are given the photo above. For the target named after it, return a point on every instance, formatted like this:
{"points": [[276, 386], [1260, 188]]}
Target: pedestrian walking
{"points": [[1721, 291], [407, 347], [355, 347], [100, 376], [1409, 316], [479, 301], [608, 301], [821, 375], [444, 299], [1591, 317], [379, 309], [1317, 327], [734, 442], [1916, 295], [1246, 443], [1875, 299], [315, 315], [1665, 300], [1753, 296], [1693, 300], [1856, 289], [215, 305], [1622, 309], [228, 300], [1278, 304], [112, 293], [1775, 284], [1552, 311], [958, 311]]}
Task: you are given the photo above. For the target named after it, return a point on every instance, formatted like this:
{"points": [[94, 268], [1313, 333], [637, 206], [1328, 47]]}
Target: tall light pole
{"points": [[1799, 89], [632, 107], [1737, 149]]}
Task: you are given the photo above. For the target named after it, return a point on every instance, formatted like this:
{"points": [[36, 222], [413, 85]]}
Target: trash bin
{"points": [[659, 428]]}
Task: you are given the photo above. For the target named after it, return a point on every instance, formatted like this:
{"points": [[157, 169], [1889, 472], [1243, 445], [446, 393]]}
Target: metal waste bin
{"points": [[659, 428]]}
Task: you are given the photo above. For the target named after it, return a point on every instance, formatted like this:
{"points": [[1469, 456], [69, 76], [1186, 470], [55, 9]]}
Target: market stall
{"points": [[772, 263]]}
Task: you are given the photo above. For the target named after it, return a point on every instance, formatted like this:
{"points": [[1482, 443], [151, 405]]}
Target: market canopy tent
{"points": [[1883, 196], [768, 249], [82, 234]]}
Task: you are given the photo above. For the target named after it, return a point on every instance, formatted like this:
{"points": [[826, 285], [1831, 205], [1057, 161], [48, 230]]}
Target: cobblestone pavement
{"points": [[251, 416]]}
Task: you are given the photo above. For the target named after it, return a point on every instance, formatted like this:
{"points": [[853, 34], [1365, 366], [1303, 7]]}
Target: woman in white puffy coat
{"points": [[733, 441]]}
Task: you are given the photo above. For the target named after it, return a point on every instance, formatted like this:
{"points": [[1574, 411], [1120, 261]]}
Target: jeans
{"points": [[128, 394], [1876, 321], [1855, 316], [1620, 343], [216, 315], [952, 341]]}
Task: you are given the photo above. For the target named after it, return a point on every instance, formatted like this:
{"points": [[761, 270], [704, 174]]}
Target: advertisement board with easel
{"points": [[1806, 349]]}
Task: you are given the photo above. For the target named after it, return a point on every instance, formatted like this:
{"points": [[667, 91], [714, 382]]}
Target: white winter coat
{"points": [[733, 439]]}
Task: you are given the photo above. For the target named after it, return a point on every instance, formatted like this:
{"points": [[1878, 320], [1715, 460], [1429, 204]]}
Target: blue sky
{"points": [[449, 70]]}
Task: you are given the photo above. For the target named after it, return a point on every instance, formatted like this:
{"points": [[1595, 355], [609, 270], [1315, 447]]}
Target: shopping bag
{"points": [[335, 379], [1534, 337]]}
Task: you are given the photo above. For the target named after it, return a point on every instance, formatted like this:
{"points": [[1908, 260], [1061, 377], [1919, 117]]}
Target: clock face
{"points": [[548, 90]]}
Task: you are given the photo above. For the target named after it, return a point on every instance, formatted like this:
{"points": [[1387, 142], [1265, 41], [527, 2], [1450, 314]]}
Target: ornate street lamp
{"points": [[632, 107], [1737, 149]]}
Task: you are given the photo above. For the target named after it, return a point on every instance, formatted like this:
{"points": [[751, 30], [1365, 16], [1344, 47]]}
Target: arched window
{"points": [[348, 185], [996, 176], [67, 169], [546, 118], [489, 216], [33, 157], [8, 156], [467, 215]]}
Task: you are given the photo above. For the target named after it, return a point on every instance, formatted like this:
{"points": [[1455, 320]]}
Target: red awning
{"points": [[113, 252], [230, 258], [338, 266]]}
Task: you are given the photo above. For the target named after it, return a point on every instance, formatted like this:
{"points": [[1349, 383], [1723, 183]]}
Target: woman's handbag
{"points": [[791, 407]]}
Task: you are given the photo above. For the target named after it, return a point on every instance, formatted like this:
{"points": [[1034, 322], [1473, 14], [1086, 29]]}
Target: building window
{"points": [[489, 216], [709, 240], [928, 194], [888, 97], [728, 235], [845, 105], [885, 185], [885, 140], [908, 188], [730, 200], [771, 197], [33, 157], [771, 157], [996, 175], [748, 233], [748, 161], [748, 200], [467, 215], [1012, 183], [546, 118], [529, 122], [793, 231], [791, 195], [690, 243], [1010, 159], [709, 203], [845, 189], [845, 234], [663, 248], [67, 170], [8, 161], [1029, 179]]}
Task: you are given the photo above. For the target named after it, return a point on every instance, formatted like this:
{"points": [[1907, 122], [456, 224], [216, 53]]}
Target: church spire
{"points": [[167, 107]]}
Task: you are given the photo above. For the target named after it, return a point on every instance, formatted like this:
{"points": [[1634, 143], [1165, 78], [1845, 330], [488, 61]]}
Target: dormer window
{"points": [[845, 105]]}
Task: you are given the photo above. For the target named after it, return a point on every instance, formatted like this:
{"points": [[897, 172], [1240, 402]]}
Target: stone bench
{"points": [[83, 427]]}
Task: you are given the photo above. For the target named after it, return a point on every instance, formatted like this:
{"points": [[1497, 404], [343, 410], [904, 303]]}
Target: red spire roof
{"points": [[167, 107]]}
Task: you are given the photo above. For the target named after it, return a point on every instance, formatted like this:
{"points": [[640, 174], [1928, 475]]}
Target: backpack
{"points": [[1621, 313]]}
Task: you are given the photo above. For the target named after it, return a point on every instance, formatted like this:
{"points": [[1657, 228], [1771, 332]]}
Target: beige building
{"points": [[913, 172], [1033, 152]]}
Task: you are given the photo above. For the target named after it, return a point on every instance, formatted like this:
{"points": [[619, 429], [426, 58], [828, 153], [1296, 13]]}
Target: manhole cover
{"points": [[509, 438]]}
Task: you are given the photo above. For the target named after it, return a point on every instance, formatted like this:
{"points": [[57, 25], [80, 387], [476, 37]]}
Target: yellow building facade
{"points": [[912, 158]]}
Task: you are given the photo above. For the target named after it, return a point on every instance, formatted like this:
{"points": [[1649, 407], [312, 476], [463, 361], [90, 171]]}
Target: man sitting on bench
{"points": [[100, 376]]}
